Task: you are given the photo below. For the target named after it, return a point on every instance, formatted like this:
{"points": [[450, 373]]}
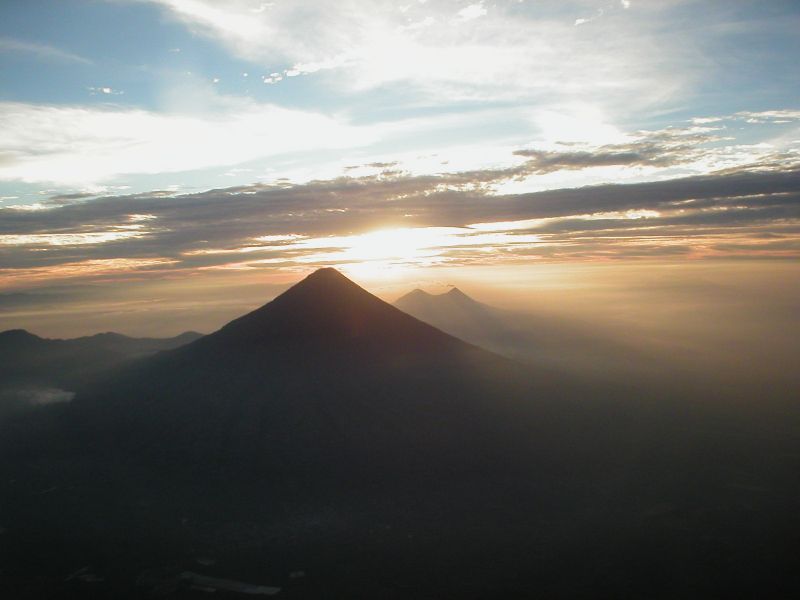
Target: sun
{"points": [[405, 244], [382, 253]]}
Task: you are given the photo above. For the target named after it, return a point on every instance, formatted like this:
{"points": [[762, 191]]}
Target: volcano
{"points": [[324, 378], [328, 314]]}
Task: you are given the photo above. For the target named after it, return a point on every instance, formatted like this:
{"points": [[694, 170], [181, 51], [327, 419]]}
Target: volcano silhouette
{"points": [[326, 377], [327, 311]]}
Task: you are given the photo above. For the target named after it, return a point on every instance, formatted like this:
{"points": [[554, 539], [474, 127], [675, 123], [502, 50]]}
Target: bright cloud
{"points": [[105, 90], [467, 52], [76, 145], [473, 11]]}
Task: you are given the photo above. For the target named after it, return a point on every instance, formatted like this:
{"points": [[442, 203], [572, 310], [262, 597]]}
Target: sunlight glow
{"points": [[377, 253], [410, 245]]}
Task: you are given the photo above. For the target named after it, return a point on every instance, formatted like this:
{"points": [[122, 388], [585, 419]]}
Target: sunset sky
{"points": [[164, 161]]}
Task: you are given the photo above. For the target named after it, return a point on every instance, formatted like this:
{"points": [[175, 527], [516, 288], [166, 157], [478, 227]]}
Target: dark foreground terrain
{"points": [[332, 446]]}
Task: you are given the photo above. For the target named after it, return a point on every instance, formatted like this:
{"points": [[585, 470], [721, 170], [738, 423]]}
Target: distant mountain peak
{"points": [[189, 336], [18, 335], [457, 293], [415, 296], [418, 293], [109, 336]]}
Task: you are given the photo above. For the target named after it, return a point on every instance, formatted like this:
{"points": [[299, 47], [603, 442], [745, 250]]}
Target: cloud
{"points": [[473, 11], [18, 400], [452, 218], [41, 51], [105, 90], [583, 21], [79, 145], [663, 148], [68, 239], [69, 197], [45, 396], [83, 146], [511, 51], [768, 116], [755, 117]]}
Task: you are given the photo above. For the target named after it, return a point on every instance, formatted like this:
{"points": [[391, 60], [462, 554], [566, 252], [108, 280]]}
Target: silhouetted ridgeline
{"points": [[27, 359]]}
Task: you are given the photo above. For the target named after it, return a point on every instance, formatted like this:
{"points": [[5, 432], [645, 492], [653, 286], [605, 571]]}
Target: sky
{"points": [[167, 163]]}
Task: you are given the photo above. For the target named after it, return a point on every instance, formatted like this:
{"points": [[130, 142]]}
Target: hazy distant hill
{"points": [[545, 340], [29, 360], [333, 446]]}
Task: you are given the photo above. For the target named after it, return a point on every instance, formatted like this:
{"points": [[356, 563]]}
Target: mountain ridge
{"points": [[27, 359], [23, 334]]}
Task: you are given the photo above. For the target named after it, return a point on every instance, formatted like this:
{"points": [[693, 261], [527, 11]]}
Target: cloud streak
{"points": [[41, 51], [664, 148]]}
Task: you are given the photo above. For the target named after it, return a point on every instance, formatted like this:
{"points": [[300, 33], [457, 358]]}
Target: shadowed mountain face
{"points": [[330, 433]]}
